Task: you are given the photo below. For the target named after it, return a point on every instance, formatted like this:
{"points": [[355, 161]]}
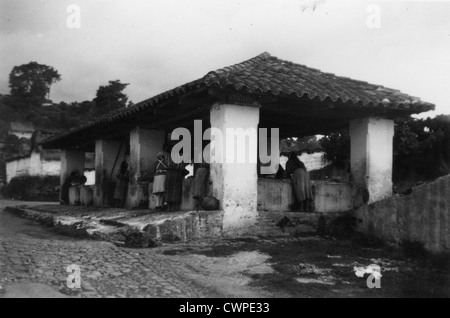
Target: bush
{"points": [[337, 147], [33, 188], [414, 249], [137, 239]]}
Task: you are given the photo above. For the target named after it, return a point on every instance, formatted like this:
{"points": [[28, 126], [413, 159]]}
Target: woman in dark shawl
{"points": [[121, 188], [174, 182], [201, 179], [296, 170]]}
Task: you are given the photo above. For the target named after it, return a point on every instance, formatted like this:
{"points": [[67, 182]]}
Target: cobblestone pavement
{"points": [[34, 260], [31, 253]]}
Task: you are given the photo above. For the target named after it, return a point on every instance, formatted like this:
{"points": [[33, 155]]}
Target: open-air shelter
{"points": [[262, 92]]}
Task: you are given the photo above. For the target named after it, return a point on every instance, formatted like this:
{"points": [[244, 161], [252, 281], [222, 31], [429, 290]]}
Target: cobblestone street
{"points": [[31, 253], [34, 261]]}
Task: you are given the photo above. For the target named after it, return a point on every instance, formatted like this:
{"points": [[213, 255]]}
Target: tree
{"points": [[308, 144], [337, 147], [32, 80], [110, 97], [421, 148]]}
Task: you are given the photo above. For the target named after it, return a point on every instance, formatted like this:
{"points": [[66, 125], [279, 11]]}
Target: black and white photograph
{"points": [[224, 156]]}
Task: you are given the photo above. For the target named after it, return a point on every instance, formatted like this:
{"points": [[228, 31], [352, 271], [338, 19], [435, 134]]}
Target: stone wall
{"points": [[421, 216], [277, 195], [186, 226], [187, 201]]}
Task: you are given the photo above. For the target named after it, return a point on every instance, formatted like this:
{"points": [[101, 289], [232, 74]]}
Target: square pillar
{"points": [[86, 195], [372, 156], [108, 157], [71, 161], [234, 181], [74, 196], [144, 147]]}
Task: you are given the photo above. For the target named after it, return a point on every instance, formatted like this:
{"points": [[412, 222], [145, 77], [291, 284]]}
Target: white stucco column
{"points": [[106, 168], [71, 161], [235, 182], [372, 156], [144, 147]]}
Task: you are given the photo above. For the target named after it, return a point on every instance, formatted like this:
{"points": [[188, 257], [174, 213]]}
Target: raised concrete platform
{"points": [[141, 228]]}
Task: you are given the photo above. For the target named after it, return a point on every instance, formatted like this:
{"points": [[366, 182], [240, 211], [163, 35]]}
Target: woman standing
{"points": [[296, 170], [201, 179], [159, 182], [174, 182], [120, 191]]}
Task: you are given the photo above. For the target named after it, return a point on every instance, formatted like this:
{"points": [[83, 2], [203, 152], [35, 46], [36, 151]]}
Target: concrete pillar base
{"points": [[372, 156], [74, 195], [144, 147], [235, 184], [106, 168], [86, 195], [71, 161]]}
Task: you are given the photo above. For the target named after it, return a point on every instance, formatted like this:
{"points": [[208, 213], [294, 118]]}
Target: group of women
{"points": [[168, 182]]}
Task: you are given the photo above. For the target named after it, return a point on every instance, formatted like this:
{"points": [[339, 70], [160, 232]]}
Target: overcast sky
{"points": [[156, 45]]}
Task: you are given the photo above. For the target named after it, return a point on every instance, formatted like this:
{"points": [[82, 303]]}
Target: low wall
{"points": [[32, 165], [142, 196], [277, 195], [138, 195], [273, 196], [185, 226], [81, 195], [421, 216], [187, 201]]}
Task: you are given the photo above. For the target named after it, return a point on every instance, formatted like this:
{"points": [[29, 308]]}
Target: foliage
{"points": [[137, 239], [307, 144], [32, 81], [29, 85], [111, 97], [337, 147], [421, 148], [33, 188], [414, 249]]}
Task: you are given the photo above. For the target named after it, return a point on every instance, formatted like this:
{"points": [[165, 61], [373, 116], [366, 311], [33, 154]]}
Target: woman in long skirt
{"points": [[120, 190], [174, 183], [300, 182], [159, 181], [200, 185]]}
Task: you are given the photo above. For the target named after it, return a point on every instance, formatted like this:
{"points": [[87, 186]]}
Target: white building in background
{"points": [[42, 162], [45, 163], [33, 164]]}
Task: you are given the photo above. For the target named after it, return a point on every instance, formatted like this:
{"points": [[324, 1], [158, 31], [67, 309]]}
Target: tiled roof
{"points": [[268, 75]]}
